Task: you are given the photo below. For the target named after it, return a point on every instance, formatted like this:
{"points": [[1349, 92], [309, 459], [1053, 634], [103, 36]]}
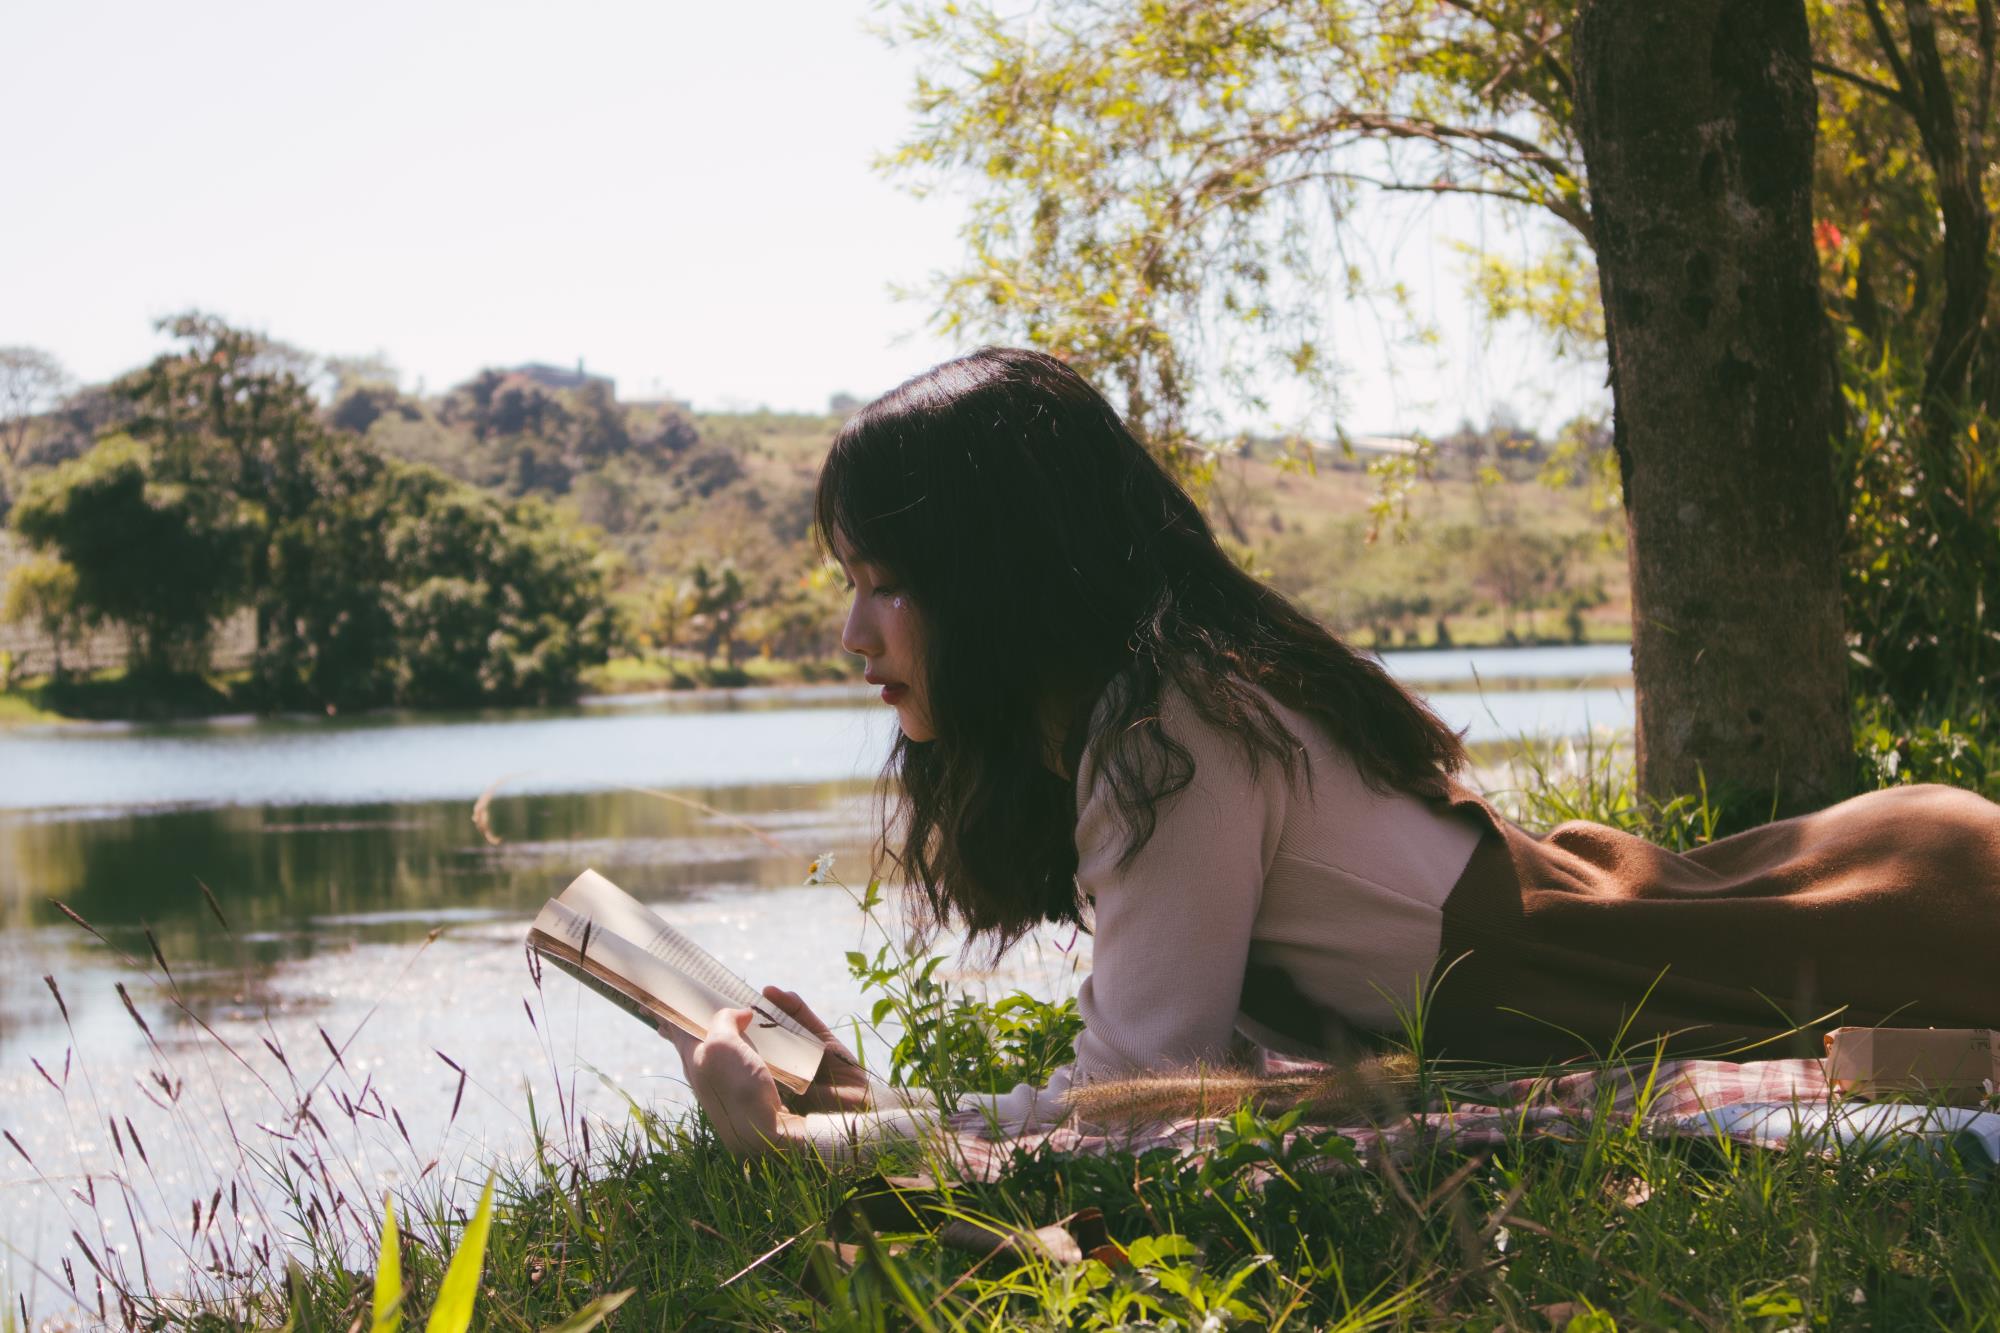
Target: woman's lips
{"points": [[893, 693]]}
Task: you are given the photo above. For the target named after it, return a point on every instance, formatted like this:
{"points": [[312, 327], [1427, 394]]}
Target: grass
{"points": [[635, 675], [1487, 629], [20, 706], [1597, 1229], [1272, 1229], [113, 692]]}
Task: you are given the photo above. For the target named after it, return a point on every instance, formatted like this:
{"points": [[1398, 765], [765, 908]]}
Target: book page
{"points": [[616, 932], [592, 895]]}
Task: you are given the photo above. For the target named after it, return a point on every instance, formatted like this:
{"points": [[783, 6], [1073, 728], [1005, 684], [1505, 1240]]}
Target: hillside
{"points": [[1474, 546], [707, 516]]}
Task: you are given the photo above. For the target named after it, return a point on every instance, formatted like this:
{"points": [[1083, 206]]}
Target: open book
{"points": [[621, 949]]}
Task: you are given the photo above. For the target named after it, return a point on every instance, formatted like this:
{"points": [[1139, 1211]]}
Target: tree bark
{"points": [[1696, 120]]}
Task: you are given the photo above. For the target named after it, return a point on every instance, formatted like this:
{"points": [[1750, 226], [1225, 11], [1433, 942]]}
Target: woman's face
{"points": [[885, 630]]}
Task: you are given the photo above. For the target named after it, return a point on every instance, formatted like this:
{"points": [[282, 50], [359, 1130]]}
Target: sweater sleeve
{"points": [[1173, 926]]}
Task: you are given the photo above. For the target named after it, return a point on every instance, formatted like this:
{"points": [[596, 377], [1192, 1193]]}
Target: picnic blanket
{"points": [[1767, 1103]]}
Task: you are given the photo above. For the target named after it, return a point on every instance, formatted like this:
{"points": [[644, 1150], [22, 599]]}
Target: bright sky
{"points": [[680, 194]]}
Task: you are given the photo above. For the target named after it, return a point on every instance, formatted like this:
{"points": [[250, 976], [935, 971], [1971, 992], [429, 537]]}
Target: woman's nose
{"points": [[858, 635]]}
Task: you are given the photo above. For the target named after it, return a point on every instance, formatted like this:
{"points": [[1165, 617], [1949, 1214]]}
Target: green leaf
{"points": [[1591, 1321], [1242, 1275], [295, 1284], [387, 1315], [1147, 1250], [1773, 1305], [593, 1314], [453, 1311]]}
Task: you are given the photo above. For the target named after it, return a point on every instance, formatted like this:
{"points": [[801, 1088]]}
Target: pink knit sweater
{"points": [[1338, 887]]}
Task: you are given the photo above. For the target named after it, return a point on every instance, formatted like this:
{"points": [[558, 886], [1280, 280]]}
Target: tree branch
{"points": [[1539, 48], [1989, 33], [1892, 96], [1890, 54], [1931, 95], [1574, 218]]}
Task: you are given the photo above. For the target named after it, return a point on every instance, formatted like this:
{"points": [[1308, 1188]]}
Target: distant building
{"points": [[1367, 446], [557, 377], [1361, 448]]}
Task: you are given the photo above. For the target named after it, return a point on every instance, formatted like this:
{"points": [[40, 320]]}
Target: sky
{"points": [[680, 195]]}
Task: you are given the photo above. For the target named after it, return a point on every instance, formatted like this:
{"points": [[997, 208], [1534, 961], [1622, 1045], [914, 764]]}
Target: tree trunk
{"points": [[1696, 120]]}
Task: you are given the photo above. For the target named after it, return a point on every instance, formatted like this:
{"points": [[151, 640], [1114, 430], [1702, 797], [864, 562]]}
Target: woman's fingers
{"points": [[840, 1085], [725, 1036], [800, 1012], [734, 1085], [725, 1057], [682, 1042]]}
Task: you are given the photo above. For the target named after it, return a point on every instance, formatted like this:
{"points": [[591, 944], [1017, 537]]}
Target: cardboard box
{"points": [[1953, 1066]]}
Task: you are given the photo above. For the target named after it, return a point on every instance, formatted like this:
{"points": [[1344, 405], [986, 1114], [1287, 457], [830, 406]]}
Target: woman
{"points": [[1099, 709]]}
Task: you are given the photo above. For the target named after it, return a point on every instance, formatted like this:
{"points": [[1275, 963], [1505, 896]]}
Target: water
{"points": [[401, 759], [334, 848], [1462, 665], [669, 741]]}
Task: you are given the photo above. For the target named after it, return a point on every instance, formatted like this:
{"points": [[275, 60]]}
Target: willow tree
{"points": [[1159, 187], [1163, 192]]}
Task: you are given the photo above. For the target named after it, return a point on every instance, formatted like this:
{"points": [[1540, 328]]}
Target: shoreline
{"points": [[107, 701]]}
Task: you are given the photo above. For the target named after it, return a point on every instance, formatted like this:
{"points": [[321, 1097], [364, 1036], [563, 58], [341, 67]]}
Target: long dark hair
{"points": [[1048, 552]]}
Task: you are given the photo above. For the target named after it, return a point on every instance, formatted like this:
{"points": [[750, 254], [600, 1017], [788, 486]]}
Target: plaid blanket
{"points": [[1767, 1103]]}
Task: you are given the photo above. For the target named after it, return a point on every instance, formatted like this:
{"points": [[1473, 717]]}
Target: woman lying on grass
{"points": [[1106, 721]]}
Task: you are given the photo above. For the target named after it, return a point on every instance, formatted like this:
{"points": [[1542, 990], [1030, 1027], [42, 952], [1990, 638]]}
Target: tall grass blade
{"points": [[386, 1315], [453, 1311], [593, 1314]]}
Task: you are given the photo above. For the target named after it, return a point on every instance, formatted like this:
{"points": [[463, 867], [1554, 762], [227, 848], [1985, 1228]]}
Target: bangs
{"points": [[868, 505]]}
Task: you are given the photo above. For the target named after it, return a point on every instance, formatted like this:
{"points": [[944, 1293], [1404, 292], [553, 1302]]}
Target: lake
{"points": [[334, 848]]}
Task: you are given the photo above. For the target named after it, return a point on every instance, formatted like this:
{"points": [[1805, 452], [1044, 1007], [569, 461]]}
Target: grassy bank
{"points": [[638, 675], [116, 694], [1596, 1228], [113, 694], [1271, 1230], [1546, 629]]}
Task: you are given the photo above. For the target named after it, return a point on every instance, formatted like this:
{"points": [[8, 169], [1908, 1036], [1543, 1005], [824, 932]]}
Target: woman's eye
{"points": [[888, 590]]}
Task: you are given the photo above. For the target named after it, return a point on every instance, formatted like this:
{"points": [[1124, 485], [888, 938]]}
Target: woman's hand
{"points": [[839, 1085], [735, 1087]]}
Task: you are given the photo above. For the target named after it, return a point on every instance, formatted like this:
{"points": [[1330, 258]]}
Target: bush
{"points": [[1897, 751], [1922, 568], [148, 549], [43, 593]]}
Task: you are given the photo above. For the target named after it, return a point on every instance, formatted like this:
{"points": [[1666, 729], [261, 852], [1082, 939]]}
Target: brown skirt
{"points": [[1882, 909]]}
